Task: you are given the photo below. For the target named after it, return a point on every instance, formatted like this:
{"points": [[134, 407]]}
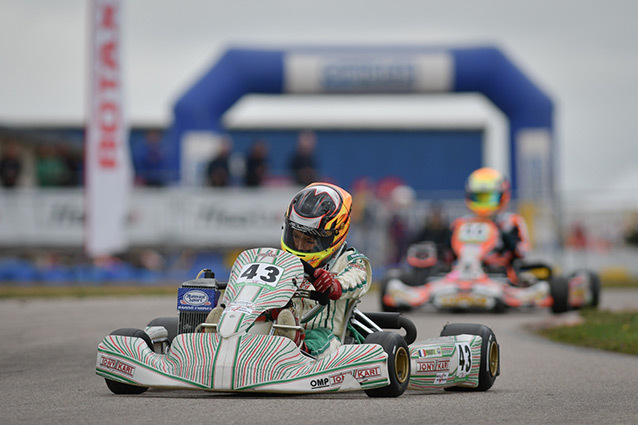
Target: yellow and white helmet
{"points": [[320, 212], [487, 191]]}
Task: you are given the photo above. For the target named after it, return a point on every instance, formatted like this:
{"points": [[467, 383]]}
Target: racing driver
{"points": [[487, 194], [315, 227]]}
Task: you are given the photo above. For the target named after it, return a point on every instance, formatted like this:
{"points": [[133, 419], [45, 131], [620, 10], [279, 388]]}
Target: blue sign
{"points": [[197, 299]]}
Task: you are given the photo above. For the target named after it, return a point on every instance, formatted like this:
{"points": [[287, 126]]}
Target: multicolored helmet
{"points": [[320, 215], [487, 191]]}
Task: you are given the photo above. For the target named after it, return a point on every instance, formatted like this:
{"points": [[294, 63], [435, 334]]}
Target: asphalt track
{"points": [[47, 376]]}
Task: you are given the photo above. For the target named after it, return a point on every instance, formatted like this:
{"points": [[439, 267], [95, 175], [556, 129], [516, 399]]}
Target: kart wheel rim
{"points": [[402, 364], [493, 358]]}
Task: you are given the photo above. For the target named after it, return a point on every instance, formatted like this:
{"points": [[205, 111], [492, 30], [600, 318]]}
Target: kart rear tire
{"points": [[170, 323], [398, 363], [490, 366], [120, 387], [594, 286], [559, 290]]}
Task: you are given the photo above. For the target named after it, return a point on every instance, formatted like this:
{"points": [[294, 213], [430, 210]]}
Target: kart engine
{"points": [[196, 298]]}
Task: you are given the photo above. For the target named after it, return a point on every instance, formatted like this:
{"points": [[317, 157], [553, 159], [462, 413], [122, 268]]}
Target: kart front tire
{"points": [[490, 353], [169, 323], [398, 363], [120, 387]]}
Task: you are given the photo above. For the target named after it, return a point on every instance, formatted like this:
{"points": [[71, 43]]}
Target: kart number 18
{"points": [[265, 274]]}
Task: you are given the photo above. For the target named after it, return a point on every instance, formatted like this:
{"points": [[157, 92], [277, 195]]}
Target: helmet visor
{"points": [[306, 239], [485, 198]]}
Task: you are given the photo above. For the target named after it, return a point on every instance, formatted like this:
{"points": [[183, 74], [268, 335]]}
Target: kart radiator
{"points": [[196, 298]]}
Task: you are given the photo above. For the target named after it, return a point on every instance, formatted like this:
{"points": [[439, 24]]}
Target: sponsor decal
{"points": [[320, 383], [196, 298], [240, 309], [261, 255], [361, 375], [338, 378], [433, 366], [441, 378], [429, 352], [365, 374], [200, 299], [118, 366], [368, 75]]}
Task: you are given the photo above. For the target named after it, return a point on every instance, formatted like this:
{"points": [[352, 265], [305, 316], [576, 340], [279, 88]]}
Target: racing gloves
{"points": [[325, 281]]}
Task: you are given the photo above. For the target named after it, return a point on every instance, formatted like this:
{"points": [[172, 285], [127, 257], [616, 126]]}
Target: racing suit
{"points": [[353, 271], [513, 243]]}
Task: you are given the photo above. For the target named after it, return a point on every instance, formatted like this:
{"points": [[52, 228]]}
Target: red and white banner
{"points": [[108, 169]]}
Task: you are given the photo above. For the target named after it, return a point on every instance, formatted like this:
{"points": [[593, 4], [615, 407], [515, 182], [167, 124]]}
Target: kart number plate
{"points": [[464, 301], [260, 274], [474, 232]]}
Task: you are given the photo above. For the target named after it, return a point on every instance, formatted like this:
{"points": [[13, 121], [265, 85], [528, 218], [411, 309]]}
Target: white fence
{"points": [[238, 218]]}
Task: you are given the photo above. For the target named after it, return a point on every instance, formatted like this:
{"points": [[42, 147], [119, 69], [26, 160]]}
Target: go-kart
{"points": [[245, 349], [472, 285]]}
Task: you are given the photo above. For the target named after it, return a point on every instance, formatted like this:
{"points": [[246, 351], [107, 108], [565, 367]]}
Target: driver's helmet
{"points": [[487, 191], [316, 222]]}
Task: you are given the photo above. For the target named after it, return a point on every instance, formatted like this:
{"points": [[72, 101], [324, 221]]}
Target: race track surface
{"points": [[47, 375]]}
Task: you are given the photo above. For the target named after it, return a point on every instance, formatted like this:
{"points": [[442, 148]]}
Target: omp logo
{"points": [[367, 373], [118, 366], [320, 383], [196, 298]]}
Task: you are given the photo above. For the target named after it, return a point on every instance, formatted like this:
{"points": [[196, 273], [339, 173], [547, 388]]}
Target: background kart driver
{"points": [[487, 194], [316, 224]]}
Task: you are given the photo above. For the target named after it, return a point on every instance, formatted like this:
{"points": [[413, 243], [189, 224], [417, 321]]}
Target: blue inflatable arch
{"points": [[365, 70]]}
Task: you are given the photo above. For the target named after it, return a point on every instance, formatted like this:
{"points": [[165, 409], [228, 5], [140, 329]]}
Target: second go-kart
{"points": [[469, 285], [246, 349]]}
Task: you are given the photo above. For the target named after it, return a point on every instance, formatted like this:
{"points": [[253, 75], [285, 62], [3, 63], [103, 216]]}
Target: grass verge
{"points": [[606, 330]]}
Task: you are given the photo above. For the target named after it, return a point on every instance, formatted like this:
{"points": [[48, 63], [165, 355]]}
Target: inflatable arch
{"points": [[381, 70]]}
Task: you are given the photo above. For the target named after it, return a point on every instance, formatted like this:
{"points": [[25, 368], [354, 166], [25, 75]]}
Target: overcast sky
{"points": [[583, 54]]}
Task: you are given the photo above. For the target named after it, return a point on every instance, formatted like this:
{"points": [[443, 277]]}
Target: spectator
{"points": [[302, 164], [51, 170], [218, 172], [401, 199], [72, 158], [436, 229], [150, 160], [257, 164], [10, 165]]}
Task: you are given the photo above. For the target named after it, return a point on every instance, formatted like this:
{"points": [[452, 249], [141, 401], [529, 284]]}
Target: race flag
{"points": [[108, 169]]}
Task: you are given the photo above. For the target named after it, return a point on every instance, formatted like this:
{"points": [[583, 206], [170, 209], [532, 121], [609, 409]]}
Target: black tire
{"points": [[120, 387], [594, 286], [170, 323], [398, 363], [559, 290], [490, 353]]}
